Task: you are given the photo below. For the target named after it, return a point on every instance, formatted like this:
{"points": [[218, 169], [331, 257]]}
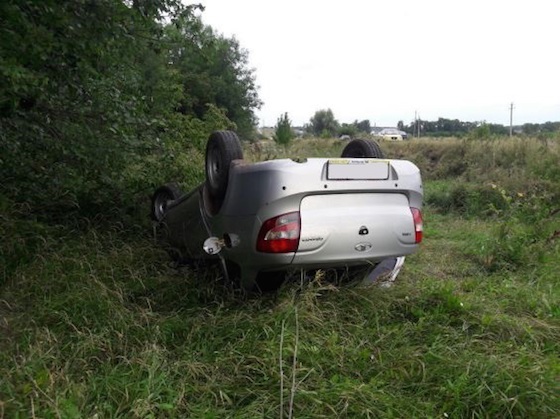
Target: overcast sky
{"points": [[384, 60]]}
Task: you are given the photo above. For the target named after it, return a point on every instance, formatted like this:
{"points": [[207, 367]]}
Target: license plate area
{"points": [[357, 169]]}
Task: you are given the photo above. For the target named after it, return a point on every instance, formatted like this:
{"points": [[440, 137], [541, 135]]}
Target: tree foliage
{"points": [[452, 127], [283, 130], [347, 129], [546, 127], [323, 123], [214, 70], [99, 98], [363, 126], [355, 128]]}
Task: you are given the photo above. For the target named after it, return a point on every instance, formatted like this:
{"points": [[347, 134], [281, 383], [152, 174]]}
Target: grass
{"points": [[98, 323]]}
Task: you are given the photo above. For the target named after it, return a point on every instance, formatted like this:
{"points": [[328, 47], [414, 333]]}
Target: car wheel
{"points": [[363, 148], [161, 198], [223, 147]]}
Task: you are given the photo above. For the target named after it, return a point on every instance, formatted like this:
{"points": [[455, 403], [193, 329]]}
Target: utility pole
{"points": [[417, 124], [511, 120]]}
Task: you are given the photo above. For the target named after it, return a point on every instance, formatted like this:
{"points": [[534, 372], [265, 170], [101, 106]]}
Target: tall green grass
{"points": [[95, 322]]}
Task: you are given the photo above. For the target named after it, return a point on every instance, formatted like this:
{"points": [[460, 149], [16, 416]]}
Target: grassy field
{"points": [[95, 322]]}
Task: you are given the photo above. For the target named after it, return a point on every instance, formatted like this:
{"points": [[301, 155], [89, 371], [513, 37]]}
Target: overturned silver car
{"points": [[261, 220]]}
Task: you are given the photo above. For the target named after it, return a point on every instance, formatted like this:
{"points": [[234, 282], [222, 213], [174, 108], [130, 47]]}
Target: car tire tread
{"points": [[222, 148], [360, 148]]}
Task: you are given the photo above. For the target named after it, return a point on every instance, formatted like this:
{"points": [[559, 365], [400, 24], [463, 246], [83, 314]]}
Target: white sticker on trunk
{"points": [[359, 169]]}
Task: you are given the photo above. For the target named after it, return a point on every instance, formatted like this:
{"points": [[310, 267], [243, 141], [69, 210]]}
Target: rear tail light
{"points": [[280, 234], [418, 224]]}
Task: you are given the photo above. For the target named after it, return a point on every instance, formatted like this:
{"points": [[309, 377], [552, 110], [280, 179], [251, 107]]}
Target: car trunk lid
{"points": [[354, 227]]}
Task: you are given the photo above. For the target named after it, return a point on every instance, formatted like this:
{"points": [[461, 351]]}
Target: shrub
{"points": [[283, 133], [466, 199]]}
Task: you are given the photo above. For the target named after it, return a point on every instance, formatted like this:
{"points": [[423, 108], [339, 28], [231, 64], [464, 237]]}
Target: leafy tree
{"points": [[363, 126], [482, 131], [455, 127], [71, 100], [441, 127], [283, 132], [100, 100], [348, 129], [355, 127], [323, 123], [214, 69], [550, 126], [530, 128], [498, 129]]}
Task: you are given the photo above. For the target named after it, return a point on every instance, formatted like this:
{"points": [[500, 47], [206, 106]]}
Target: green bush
{"points": [[509, 246], [466, 199], [283, 132], [100, 101]]}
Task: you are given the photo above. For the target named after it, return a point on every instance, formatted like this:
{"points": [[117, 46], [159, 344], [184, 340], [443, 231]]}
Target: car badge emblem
{"points": [[362, 247]]}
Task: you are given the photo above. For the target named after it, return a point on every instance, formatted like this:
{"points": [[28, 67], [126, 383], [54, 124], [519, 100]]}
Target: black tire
{"points": [[363, 148], [160, 199], [222, 148]]}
